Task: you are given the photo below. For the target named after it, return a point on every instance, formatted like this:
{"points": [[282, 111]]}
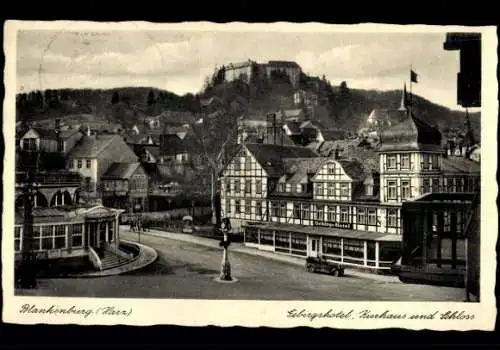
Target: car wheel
{"points": [[340, 272]]}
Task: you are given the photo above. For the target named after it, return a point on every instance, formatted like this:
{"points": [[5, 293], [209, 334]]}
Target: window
{"points": [[353, 248], [332, 246], [361, 219], [274, 209], [331, 213], [251, 235], [435, 185], [344, 190], [237, 164], [79, 163], [435, 161], [237, 186], [298, 241], [405, 161], [296, 211], [331, 168], [248, 184], [372, 217], [298, 188], [344, 214], [282, 187], [282, 239], [228, 206], [461, 184], [318, 189], [320, 212], [426, 188], [237, 207], [248, 163], [258, 186], [266, 237], [305, 212], [425, 161], [70, 164], [392, 220], [258, 208], [17, 239], [60, 237], [60, 145], [405, 189], [29, 145], [391, 189], [228, 186], [391, 161], [47, 235], [89, 163], [303, 188], [368, 190], [283, 211], [288, 188], [331, 189], [248, 208]]}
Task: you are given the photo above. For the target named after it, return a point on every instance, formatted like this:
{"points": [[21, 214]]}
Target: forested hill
{"points": [[339, 107]]}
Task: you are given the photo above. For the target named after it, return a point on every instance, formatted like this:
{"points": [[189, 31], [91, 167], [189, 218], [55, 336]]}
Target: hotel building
{"points": [[289, 200]]}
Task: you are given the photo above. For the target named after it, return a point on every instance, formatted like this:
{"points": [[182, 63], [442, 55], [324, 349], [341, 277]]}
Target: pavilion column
{"points": [[377, 252]]}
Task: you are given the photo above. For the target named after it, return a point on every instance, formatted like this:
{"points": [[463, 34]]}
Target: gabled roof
{"points": [[121, 170], [460, 165], [412, 134], [173, 143], [298, 169], [352, 167], [92, 146], [270, 156], [140, 148]]}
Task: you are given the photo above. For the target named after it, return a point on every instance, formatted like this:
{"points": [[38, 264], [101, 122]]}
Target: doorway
{"points": [[313, 247]]}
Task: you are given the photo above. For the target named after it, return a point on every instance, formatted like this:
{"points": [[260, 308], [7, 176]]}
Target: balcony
{"points": [[60, 178]]}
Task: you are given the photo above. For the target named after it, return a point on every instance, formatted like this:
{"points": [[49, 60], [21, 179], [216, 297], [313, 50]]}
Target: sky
{"points": [[179, 61]]}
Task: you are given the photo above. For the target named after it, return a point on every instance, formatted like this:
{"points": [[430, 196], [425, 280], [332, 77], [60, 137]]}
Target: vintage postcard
{"points": [[238, 174]]}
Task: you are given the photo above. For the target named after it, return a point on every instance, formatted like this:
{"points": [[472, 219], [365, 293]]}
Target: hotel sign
{"points": [[342, 225]]}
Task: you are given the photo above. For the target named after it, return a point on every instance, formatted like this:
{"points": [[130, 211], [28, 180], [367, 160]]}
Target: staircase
{"points": [[110, 260]]}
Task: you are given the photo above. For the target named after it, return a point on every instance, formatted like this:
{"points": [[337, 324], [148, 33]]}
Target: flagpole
{"points": [[411, 95]]}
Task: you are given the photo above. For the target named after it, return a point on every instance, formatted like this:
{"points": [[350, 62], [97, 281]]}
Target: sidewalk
{"points": [[240, 248]]}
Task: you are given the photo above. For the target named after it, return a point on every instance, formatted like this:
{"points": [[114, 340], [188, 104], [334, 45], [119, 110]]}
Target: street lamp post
{"points": [[225, 274]]}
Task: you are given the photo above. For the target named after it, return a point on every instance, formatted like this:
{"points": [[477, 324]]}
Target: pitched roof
{"points": [[353, 168], [140, 148], [460, 165], [121, 170], [297, 169], [172, 144], [270, 156], [92, 146], [412, 134]]}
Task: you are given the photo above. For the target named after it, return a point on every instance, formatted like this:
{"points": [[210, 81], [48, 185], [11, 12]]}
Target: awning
{"points": [[330, 232]]}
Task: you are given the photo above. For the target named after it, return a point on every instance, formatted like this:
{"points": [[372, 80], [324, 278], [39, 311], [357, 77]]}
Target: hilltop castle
{"points": [[245, 70]]}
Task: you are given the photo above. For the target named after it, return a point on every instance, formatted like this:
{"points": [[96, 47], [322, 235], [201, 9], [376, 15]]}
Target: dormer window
{"points": [[29, 144], [368, 190]]}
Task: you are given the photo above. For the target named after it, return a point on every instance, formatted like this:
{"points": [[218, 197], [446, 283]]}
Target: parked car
{"points": [[324, 266]]}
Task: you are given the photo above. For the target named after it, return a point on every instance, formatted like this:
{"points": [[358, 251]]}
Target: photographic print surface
{"points": [[285, 168]]}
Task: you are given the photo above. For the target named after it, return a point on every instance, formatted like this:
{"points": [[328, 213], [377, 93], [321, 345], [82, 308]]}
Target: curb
{"points": [[273, 256]]}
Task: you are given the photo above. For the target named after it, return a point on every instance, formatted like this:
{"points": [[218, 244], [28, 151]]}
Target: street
{"points": [[187, 270]]}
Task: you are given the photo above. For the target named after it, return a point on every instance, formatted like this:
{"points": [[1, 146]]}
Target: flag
{"points": [[413, 76]]}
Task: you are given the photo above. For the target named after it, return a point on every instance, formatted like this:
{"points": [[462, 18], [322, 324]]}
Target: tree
{"points": [[215, 137], [151, 99], [115, 98]]}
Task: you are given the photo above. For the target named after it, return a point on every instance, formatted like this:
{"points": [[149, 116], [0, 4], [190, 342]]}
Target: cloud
{"points": [[179, 61]]}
